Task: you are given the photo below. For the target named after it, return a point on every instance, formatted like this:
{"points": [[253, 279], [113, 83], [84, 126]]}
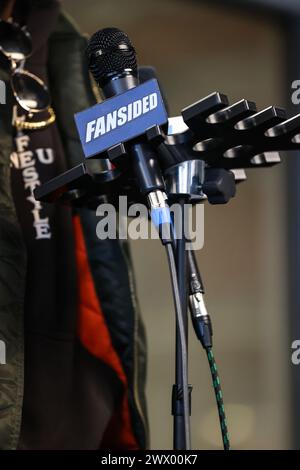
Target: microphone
{"points": [[112, 62]]}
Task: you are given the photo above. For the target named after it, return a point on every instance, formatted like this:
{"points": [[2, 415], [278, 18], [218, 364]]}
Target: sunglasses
{"points": [[30, 92]]}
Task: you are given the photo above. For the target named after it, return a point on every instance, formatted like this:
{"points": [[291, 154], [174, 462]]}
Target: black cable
{"points": [[181, 328], [161, 218], [181, 263]]}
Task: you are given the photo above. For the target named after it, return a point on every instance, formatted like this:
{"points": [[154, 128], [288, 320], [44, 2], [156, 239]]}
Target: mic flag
{"points": [[121, 118]]}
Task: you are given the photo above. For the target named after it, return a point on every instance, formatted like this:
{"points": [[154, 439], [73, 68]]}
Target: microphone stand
{"points": [[184, 181], [204, 161], [182, 276]]}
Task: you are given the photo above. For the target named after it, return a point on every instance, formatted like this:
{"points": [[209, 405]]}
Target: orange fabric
{"points": [[95, 337]]}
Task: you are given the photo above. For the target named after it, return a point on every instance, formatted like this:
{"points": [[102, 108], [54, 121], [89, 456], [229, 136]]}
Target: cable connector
{"points": [[201, 320], [157, 199], [161, 215]]}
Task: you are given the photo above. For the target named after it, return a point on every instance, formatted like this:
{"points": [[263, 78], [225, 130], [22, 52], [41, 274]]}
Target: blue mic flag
{"points": [[120, 118]]}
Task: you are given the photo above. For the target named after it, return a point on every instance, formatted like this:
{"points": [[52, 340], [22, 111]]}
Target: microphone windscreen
{"points": [[110, 52]]}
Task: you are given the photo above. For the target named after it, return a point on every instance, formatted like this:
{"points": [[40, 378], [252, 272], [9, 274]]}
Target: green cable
{"points": [[219, 397]]}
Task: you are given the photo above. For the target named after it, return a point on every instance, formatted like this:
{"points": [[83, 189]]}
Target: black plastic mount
{"points": [[237, 136], [228, 138]]}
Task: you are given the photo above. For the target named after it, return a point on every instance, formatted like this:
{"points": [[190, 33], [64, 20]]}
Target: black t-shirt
{"points": [[50, 302]]}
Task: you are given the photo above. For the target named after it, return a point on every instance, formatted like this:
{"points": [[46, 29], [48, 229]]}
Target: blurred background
{"points": [[238, 48]]}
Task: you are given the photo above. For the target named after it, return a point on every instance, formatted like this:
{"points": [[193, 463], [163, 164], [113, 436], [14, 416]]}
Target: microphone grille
{"points": [[110, 52]]}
